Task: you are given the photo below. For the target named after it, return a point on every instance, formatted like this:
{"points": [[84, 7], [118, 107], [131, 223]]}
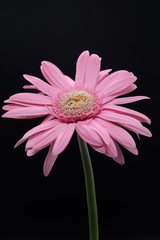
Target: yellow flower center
{"points": [[76, 105]]}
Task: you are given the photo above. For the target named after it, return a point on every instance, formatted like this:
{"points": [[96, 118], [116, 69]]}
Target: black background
{"points": [[125, 34]]}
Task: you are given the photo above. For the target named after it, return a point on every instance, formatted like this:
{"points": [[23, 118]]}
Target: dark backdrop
{"points": [[125, 35]]}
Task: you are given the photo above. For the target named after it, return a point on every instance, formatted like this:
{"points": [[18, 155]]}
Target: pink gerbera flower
{"points": [[88, 105]]}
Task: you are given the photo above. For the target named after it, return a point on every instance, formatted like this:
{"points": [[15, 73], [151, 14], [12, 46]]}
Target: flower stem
{"points": [[90, 190]]}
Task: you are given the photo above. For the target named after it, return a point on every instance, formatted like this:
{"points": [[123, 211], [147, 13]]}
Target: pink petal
{"points": [[29, 87], [26, 112], [9, 107], [43, 139], [34, 140], [81, 68], [111, 149], [41, 85], [103, 74], [126, 111], [128, 99], [100, 149], [119, 134], [18, 104], [120, 157], [96, 126], [126, 90], [132, 150], [54, 75], [118, 118], [125, 121], [63, 139], [138, 130], [108, 150], [43, 126], [69, 80], [88, 134], [116, 82], [48, 118], [49, 161], [110, 98], [92, 71], [31, 98]]}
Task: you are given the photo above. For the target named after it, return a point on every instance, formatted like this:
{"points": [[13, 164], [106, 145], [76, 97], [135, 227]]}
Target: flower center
{"points": [[77, 105]]}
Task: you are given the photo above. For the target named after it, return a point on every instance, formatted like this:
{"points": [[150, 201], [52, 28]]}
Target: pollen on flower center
{"points": [[77, 102], [77, 105]]}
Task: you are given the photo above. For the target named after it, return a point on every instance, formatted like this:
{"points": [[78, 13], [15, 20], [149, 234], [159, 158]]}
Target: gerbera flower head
{"points": [[90, 105]]}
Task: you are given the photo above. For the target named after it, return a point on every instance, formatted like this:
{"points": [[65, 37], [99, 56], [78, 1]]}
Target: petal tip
{"points": [[16, 145], [44, 62], [122, 163], [30, 153], [26, 76], [19, 142], [45, 173], [149, 135], [86, 52], [4, 115]]}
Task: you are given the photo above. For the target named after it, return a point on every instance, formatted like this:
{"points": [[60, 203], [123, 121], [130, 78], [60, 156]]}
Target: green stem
{"points": [[90, 190]]}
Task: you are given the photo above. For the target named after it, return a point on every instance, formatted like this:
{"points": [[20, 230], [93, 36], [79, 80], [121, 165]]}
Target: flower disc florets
{"points": [[76, 105]]}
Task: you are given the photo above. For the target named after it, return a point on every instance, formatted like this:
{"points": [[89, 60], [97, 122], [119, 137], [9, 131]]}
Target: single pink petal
{"points": [[88, 134], [126, 111], [31, 98], [92, 71], [111, 149], [118, 118], [132, 150], [110, 98], [9, 107], [41, 85], [120, 157], [48, 118], [81, 68], [41, 127], [18, 104], [30, 152], [103, 74], [97, 127], [100, 149], [26, 112], [126, 90], [63, 139], [69, 80], [54, 75], [128, 99], [116, 82], [49, 161], [29, 87], [138, 130]]}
